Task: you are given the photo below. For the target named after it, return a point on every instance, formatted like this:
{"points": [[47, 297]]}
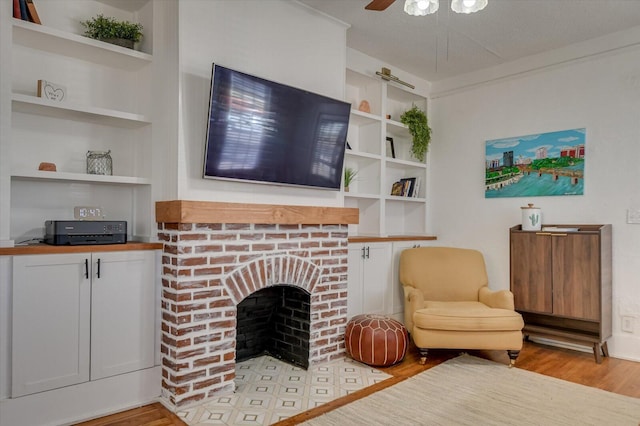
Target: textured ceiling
{"points": [[447, 44]]}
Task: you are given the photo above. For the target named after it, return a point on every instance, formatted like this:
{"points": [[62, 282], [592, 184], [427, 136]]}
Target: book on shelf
{"points": [[405, 187], [396, 188], [416, 189], [32, 12], [16, 9], [26, 11], [23, 10]]}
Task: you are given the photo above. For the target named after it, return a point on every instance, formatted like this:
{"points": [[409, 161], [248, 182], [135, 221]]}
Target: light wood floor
{"points": [[614, 375]]}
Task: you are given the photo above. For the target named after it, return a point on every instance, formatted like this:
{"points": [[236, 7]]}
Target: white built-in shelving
{"points": [[378, 167], [107, 107]]}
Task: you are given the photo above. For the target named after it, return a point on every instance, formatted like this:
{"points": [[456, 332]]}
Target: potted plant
{"points": [[416, 120], [110, 30], [349, 176]]}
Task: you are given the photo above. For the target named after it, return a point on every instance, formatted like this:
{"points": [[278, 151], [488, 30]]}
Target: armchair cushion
{"points": [[466, 316]]}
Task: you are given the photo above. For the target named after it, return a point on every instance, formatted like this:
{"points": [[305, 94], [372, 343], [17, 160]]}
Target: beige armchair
{"points": [[448, 304]]}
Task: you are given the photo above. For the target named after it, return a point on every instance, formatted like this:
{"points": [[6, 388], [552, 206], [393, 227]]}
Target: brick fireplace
{"points": [[216, 255]]}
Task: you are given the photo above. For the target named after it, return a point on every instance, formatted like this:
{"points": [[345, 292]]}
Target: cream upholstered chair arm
{"points": [[502, 299], [413, 300]]}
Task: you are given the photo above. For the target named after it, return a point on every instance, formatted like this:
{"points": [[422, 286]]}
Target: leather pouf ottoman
{"points": [[376, 340]]}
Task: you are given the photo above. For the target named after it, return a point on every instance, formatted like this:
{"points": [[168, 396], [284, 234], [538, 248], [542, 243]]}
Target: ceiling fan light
{"points": [[468, 6], [420, 7]]}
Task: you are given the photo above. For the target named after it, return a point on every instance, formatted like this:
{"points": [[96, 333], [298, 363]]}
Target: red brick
{"points": [[206, 294], [246, 258], [208, 226], [170, 249], [217, 260], [223, 237], [191, 307], [206, 383], [250, 237], [193, 237], [189, 285], [209, 248], [263, 247], [278, 236], [288, 246], [237, 226], [236, 247], [207, 271], [221, 303], [183, 331], [182, 355], [203, 362], [185, 249], [190, 400]]}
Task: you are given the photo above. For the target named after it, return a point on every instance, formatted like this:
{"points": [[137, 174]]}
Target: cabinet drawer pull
{"points": [[558, 235], [543, 233]]}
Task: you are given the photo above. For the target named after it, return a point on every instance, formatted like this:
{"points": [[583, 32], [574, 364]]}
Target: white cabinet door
{"points": [[398, 292], [50, 322], [122, 312], [355, 292], [369, 279]]}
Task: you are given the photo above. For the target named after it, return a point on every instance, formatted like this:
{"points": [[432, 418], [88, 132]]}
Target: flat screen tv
{"points": [[262, 131]]}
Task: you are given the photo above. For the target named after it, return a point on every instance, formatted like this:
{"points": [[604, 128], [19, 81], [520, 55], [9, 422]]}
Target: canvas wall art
{"points": [[536, 165]]}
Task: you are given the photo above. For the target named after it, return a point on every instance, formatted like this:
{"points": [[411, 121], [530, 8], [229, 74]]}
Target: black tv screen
{"points": [[263, 131]]}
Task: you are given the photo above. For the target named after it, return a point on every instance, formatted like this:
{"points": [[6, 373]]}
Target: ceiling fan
{"points": [[379, 4], [425, 7]]}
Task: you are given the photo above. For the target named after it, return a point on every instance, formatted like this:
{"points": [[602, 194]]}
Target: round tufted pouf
{"points": [[376, 340]]}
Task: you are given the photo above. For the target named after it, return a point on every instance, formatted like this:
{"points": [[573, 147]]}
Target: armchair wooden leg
{"points": [[423, 355], [513, 355]]}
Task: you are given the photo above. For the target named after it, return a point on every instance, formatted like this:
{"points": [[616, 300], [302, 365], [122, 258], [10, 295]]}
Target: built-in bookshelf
{"points": [[106, 107], [380, 151]]}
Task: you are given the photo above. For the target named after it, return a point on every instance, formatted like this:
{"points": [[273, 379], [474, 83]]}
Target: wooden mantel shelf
{"points": [[185, 211]]}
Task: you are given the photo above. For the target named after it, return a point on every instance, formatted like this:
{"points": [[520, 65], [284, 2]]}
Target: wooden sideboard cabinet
{"points": [[561, 281]]}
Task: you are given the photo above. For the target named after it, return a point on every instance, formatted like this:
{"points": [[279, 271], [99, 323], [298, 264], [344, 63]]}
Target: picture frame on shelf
{"points": [[52, 91], [391, 151]]}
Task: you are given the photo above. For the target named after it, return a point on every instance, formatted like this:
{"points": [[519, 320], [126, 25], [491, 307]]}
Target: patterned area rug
{"points": [[473, 391], [269, 390]]}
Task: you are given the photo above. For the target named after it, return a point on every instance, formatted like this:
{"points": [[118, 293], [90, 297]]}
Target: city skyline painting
{"points": [[541, 164]]}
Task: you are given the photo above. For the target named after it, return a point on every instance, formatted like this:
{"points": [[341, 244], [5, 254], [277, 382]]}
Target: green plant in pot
{"points": [[110, 30], [416, 120], [349, 176]]}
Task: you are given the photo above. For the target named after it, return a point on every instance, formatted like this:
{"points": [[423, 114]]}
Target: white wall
{"points": [[600, 93], [274, 39]]}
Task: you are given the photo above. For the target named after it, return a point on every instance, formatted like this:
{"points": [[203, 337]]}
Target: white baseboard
{"points": [[85, 401], [625, 346]]}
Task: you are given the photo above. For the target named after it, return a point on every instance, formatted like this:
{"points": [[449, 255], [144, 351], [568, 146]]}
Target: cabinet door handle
{"points": [[363, 255], [98, 273], [86, 268], [367, 252], [558, 235], [543, 233]]}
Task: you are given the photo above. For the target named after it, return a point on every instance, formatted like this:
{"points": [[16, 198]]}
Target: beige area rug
{"points": [[473, 391]]}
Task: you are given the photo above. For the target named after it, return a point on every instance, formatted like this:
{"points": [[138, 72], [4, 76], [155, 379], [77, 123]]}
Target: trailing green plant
{"points": [[103, 27], [349, 176], [416, 120]]}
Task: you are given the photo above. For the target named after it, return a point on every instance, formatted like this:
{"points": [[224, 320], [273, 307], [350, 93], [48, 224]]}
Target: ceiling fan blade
{"points": [[379, 4]]}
